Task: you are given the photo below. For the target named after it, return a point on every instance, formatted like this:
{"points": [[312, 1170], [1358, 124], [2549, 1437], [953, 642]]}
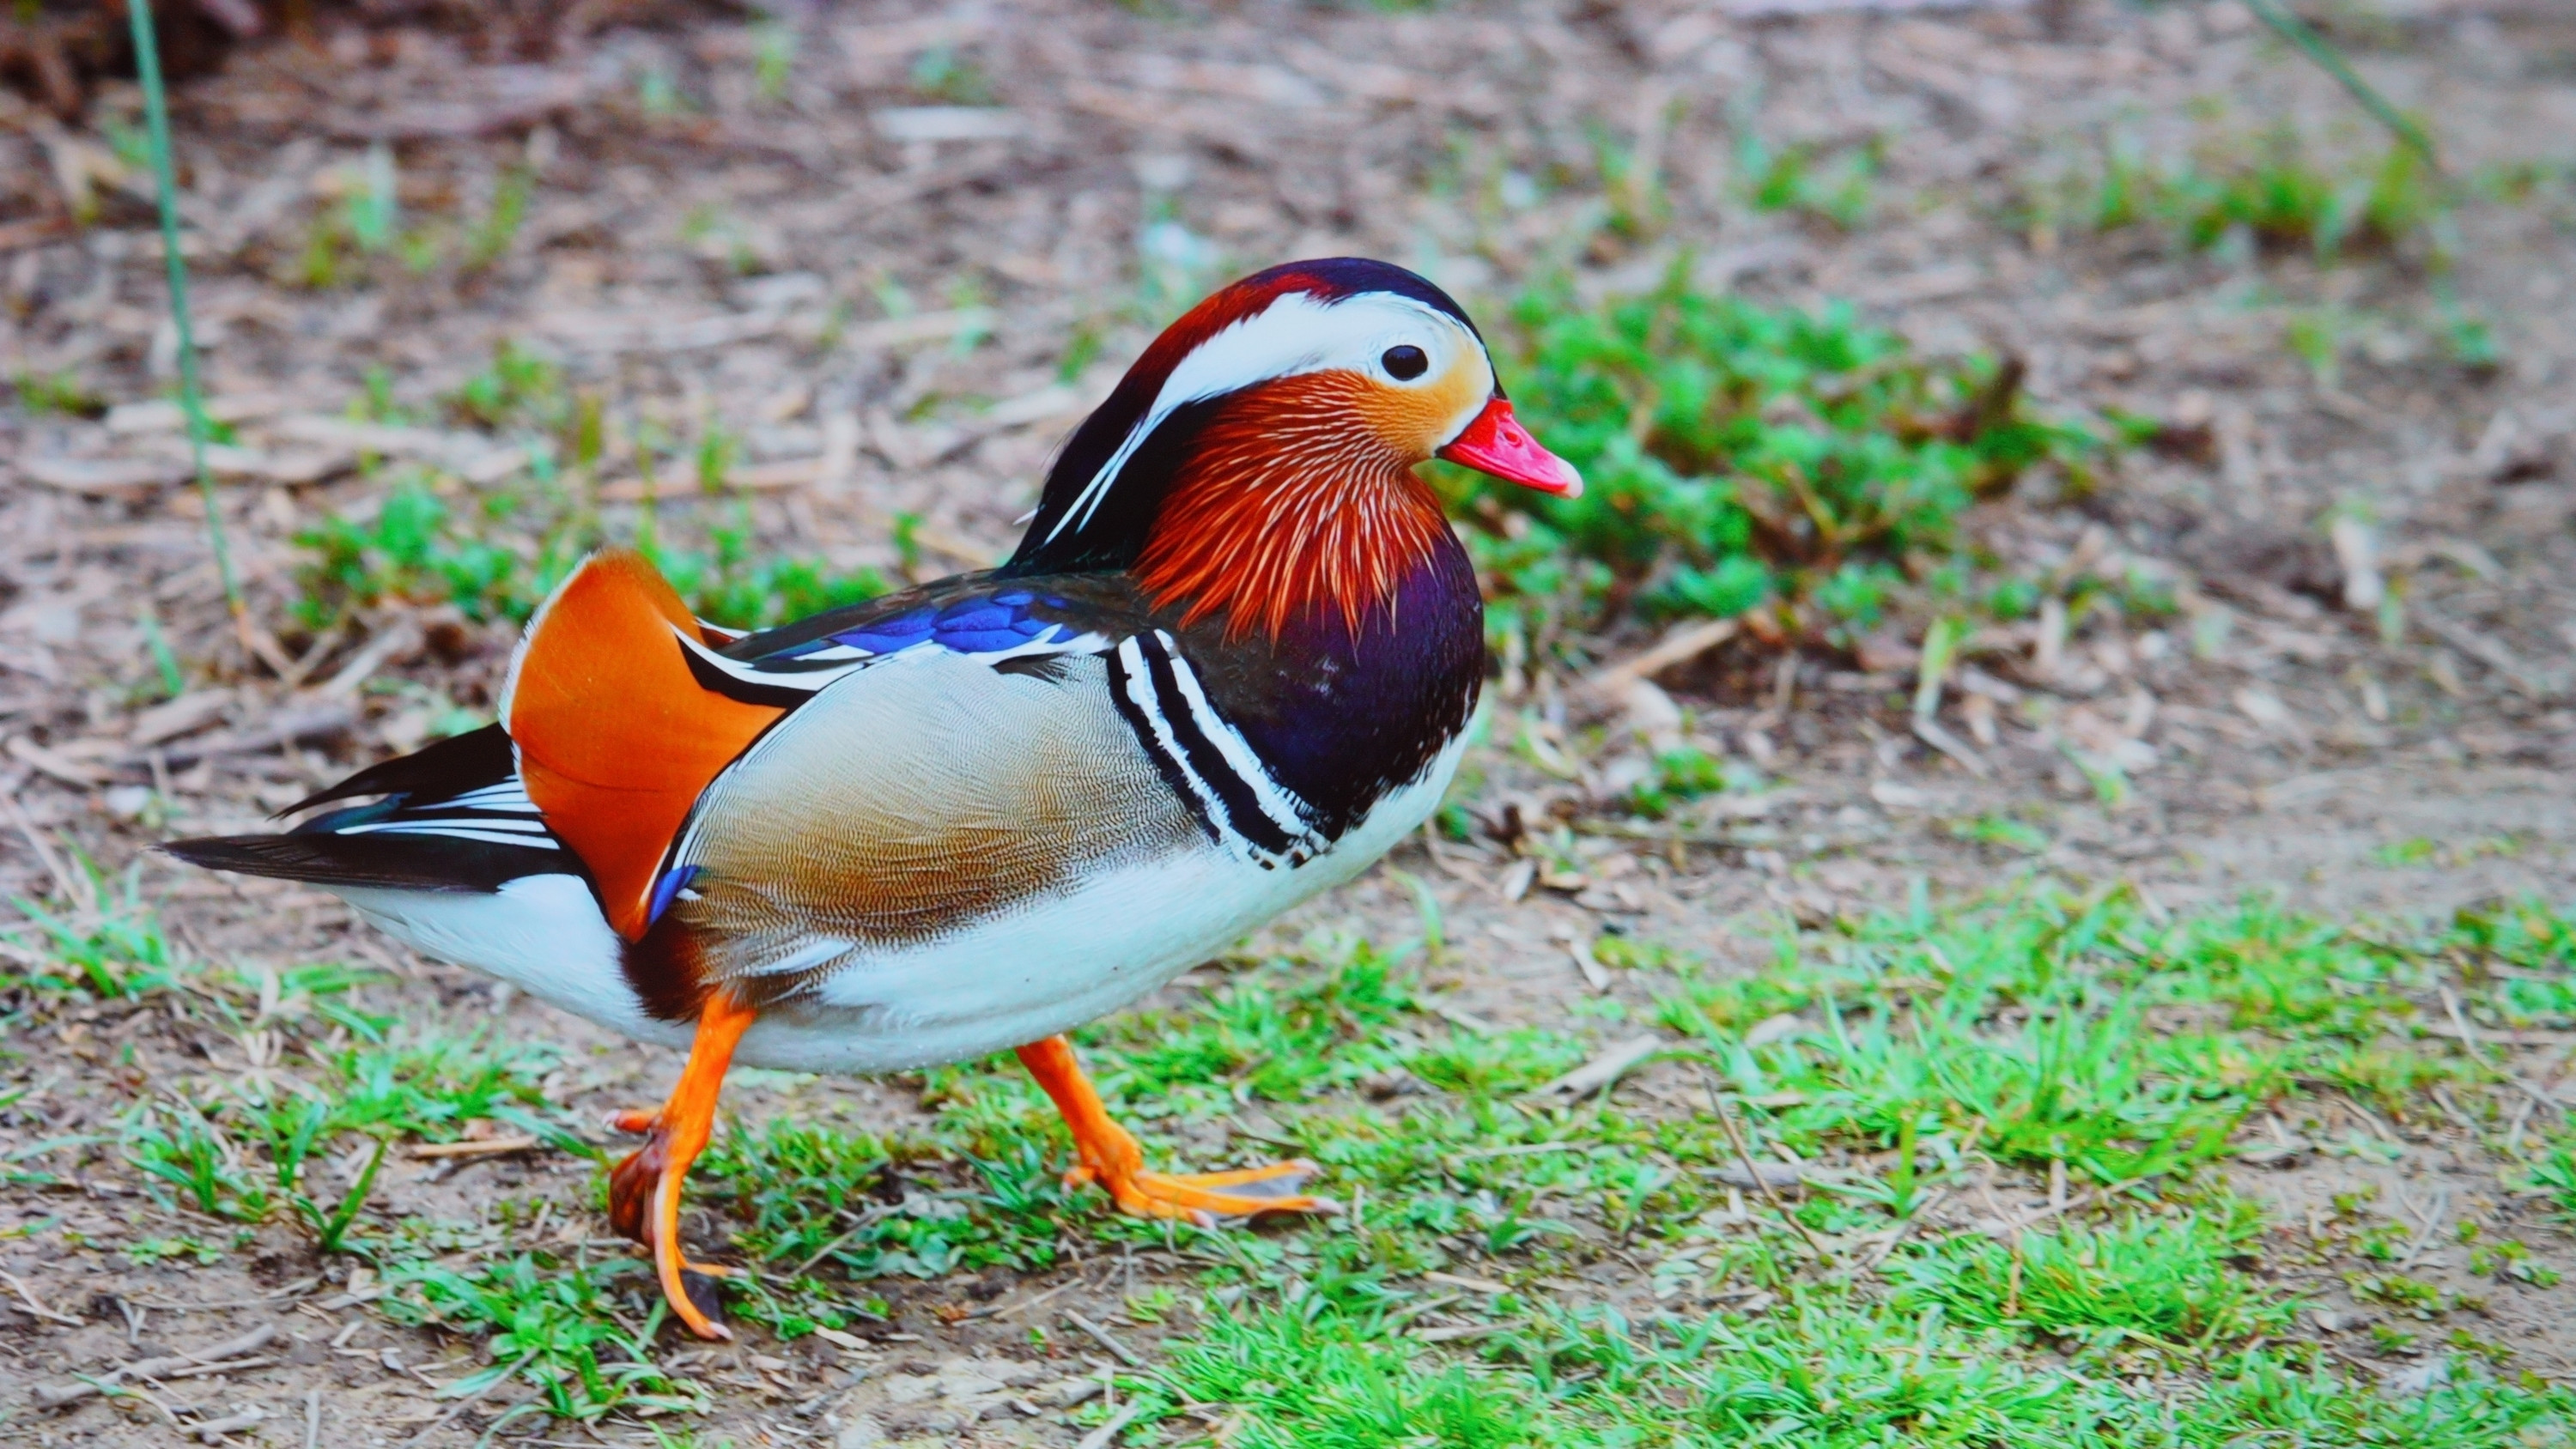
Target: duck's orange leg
{"points": [[644, 1190], [1109, 1156]]}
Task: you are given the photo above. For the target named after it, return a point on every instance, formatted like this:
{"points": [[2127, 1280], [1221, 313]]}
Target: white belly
{"points": [[1005, 980]]}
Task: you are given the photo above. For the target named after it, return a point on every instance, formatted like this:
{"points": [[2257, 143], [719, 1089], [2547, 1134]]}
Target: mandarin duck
{"points": [[1230, 665]]}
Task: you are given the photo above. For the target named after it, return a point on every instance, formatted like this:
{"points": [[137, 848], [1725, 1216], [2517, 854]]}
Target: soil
{"points": [[796, 261]]}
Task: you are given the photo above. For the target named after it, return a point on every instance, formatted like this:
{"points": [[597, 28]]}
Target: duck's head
{"points": [[1258, 458]]}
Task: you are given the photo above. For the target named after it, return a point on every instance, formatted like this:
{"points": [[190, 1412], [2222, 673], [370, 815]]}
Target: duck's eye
{"points": [[1404, 364]]}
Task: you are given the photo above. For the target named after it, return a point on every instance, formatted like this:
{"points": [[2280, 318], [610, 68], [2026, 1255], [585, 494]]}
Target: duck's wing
{"points": [[784, 805]]}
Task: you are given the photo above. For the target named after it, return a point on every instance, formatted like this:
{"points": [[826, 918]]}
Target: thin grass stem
{"points": [[192, 402], [2304, 38]]}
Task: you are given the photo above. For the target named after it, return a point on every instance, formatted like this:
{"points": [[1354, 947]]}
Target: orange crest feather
{"points": [[1283, 506]]}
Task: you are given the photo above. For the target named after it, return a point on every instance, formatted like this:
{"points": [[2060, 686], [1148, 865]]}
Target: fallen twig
{"points": [[1896, 1235], [29, 1298], [2484, 649], [1679, 646], [489, 1147], [211, 1430], [1726, 1119], [2304, 38], [1125, 1354], [1604, 1070], [2085, 1198], [1101, 1437], [225, 1357]]}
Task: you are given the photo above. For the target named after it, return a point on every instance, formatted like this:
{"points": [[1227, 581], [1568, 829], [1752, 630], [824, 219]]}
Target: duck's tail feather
{"points": [[395, 862], [608, 735], [448, 768], [454, 818]]}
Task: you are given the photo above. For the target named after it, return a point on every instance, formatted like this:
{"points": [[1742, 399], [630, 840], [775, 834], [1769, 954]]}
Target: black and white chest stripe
{"points": [[1207, 762]]}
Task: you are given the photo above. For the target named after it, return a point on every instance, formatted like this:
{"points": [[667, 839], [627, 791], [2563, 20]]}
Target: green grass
{"points": [[561, 1325], [495, 552], [2276, 187], [1739, 457], [2169, 1282], [103, 945], [58, 393], [499, 561], [1825, 184], [1928, 1049]]}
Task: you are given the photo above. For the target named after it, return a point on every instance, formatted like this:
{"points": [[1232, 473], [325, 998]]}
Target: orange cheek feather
{"points": [[1412, 421], [616, 738], [1298, 494]]}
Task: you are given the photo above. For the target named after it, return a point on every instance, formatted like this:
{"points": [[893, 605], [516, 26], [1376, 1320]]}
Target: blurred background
{"points": [[2070, 335], [2079, 338], [2065, 426], [2103, 442]]}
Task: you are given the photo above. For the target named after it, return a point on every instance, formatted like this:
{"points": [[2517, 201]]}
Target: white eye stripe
{"points": [[1296, 334]]}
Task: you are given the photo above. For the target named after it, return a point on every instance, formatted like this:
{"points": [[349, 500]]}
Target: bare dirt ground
{"points": [[784, 237]]}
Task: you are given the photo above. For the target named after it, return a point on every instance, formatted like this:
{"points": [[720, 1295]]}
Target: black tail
{"points": [[439, 771], [453, 818], [400, 862]]}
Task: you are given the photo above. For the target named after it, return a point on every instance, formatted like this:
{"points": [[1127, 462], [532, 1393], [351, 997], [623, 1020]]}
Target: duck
{"points": [[1231, 663]]}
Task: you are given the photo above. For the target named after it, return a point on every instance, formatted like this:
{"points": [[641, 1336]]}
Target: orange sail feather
{"points": [[616, 737]]}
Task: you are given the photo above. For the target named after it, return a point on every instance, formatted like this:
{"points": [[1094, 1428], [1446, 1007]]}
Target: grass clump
{"points": [[2165, 1282], [499, 560], [2020, 1022], [560, 1325], [106, 945], [60, 393], [496, 552], [1735, 454], [1324, 1382], [2274, 188], [807, 1197]]}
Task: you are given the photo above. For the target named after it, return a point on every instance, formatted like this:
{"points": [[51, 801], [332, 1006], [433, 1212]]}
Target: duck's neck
{"points": [[1345, 708]]}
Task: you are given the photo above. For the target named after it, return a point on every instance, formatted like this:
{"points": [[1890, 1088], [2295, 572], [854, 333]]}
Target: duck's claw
{"points": [[632, 1180], [1109, 1158], [1204, 1197], [644, 1189]]}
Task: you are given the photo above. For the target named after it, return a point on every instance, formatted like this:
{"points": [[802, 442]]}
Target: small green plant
{"points": [[518, 389], [1685, 774], [773, 60], [2510, 1258], [489, 239], [559, 1325], [2002, 830], [2272, 187], [1827, 184], [2554, 1172], [150, 1252], [2161, 1281], [942, 74], [2401, 1291], [657, 93], [418, 548], [1733, 454], [61, 392], [105, 944], [176, 1144]]}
